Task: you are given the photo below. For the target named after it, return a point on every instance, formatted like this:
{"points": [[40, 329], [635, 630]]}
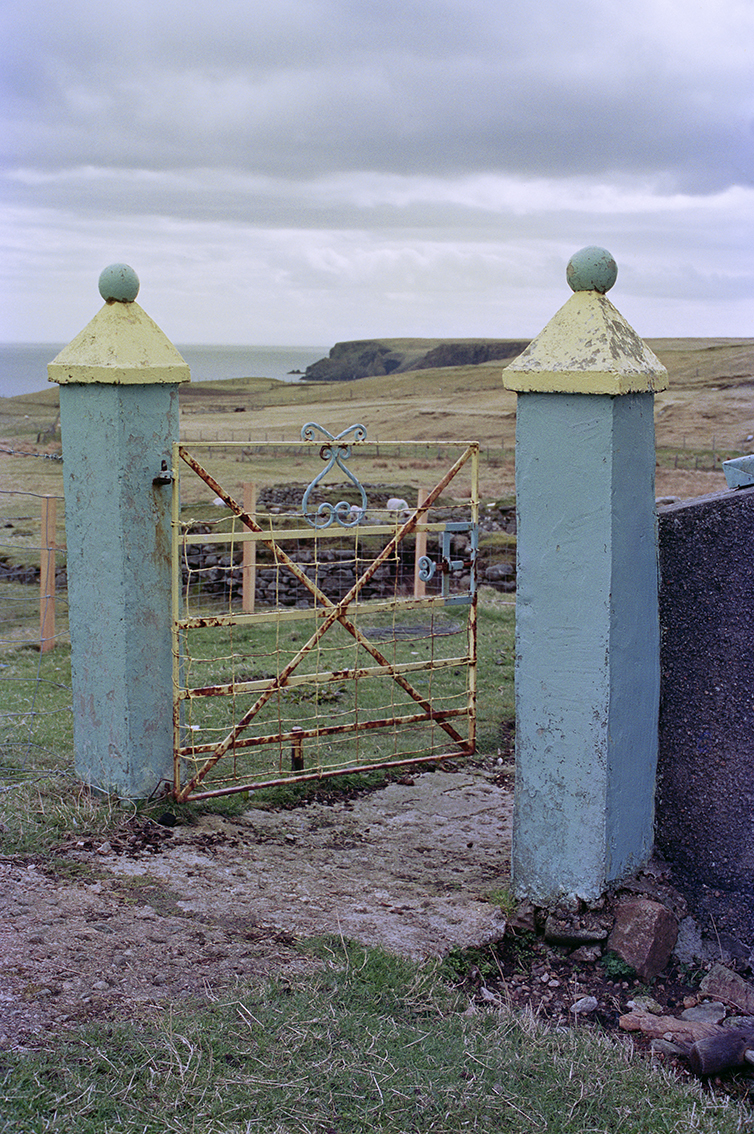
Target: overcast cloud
{"points": [[316, 170]]}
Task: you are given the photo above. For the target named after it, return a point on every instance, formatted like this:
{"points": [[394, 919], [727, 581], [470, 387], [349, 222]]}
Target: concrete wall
{"points": [[705, 795]]}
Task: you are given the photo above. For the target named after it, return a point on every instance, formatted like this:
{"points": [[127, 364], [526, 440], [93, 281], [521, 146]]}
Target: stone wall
{"points": [[334, 569], [705, 793]]}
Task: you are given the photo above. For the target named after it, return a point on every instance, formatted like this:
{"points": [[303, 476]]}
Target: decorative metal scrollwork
{"points": [[427, 568], [334, 451]]}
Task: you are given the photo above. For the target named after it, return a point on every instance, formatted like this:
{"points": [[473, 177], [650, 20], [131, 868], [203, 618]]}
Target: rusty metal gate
{"points": [[319, 639]]}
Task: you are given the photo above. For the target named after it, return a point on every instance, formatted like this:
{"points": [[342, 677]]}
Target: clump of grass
{"points": [[502, 897], [371, 1042], [47, 810]]}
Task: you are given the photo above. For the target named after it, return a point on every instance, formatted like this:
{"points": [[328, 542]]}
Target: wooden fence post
{"points": [[420, 587], [47, 576], [249, 551]]}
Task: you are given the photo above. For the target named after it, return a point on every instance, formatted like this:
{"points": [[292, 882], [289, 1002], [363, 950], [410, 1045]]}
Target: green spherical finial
{"points": [[118, 284], [591, 269]]}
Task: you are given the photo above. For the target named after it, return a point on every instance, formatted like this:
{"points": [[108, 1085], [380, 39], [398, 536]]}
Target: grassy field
{"points": [[706, 415], [367, 1042], [36, 743]]}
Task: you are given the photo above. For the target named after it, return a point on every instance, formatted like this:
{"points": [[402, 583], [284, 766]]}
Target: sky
{"points": [[310, 171]]}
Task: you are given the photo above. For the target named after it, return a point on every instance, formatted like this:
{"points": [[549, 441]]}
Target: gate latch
{"points": [[447, 565], [164, 476]]}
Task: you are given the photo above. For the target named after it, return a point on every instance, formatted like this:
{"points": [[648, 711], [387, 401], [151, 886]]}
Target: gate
{"points": [[322, 639]]}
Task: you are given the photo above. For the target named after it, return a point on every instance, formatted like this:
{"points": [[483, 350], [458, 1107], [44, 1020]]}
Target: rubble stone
{"points": [[643, 936], [729, 986]]}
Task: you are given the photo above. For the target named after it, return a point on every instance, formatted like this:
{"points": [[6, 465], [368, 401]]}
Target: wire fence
{"points": [[35, 666], [36, 725]]}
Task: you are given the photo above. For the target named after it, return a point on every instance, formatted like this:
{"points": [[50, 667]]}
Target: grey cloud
{"points": [[377, 156], [308, 88]]}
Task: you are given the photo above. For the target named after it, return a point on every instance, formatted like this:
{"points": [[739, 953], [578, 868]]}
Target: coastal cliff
{"points": [[365, 358]]}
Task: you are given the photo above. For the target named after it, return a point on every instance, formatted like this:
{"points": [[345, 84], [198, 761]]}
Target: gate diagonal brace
{"points": [[336, 613]]}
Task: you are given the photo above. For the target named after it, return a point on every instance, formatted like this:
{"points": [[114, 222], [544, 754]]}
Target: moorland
{"points": [[705, 416]]}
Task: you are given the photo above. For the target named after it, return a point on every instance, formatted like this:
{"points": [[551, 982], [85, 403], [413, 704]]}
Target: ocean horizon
{"points": [[23, 366]]}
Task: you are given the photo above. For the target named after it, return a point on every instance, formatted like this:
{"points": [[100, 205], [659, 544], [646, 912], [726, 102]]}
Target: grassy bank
{"points": [[371, 1043]]}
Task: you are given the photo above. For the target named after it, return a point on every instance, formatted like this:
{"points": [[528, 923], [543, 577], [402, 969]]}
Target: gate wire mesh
{"points": [[345, 663]]}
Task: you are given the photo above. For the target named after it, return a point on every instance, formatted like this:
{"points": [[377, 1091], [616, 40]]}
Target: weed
{"points": [[503, 898], [460, 963], [616, 968], [522, 948]]}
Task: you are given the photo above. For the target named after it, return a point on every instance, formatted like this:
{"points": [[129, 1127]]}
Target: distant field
{"points": [[706, 415]]}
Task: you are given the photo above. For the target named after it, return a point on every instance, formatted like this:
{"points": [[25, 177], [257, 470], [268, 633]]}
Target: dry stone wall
{"points": [[334, 569]]}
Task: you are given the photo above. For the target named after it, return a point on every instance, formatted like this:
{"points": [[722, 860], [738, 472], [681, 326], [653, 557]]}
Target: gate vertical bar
{"points": [[119, 382], [587, 619], [249, 567], [420, 587]]}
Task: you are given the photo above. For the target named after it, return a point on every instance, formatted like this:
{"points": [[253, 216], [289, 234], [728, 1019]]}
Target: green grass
{"points": [[230, 656], [42, 802], [694, 460], [372, 1042], [224, 656]]}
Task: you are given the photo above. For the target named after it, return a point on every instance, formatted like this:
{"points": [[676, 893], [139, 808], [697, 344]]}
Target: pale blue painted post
{"points": [[587, 624], [119, 381]]}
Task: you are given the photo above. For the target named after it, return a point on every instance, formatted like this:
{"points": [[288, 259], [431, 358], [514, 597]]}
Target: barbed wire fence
{"points": [[35, 666]]}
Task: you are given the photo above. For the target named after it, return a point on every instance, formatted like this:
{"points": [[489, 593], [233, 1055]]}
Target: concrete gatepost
{"points": [[587, 624], [119, 381]]}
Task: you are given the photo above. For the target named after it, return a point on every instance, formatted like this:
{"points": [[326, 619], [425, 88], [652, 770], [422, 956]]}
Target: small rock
{"points": [[584, 1006], [101, 985], [104, 848], [145, 913], [730, 987], [524, 917], [689, 946], [586, 954], [666, 1047], [643, 936], [575, 930], [710, 1010], [488, 996], [646, 1004], [742, 1023]]}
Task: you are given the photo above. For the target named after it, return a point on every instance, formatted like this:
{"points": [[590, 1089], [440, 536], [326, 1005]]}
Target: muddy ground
{"points": [[160, 914]]}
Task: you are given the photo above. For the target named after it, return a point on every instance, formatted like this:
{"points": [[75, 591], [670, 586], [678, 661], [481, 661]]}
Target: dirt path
{"points": [[190, 912]]}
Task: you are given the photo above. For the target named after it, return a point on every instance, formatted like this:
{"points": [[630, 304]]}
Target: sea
{"points": [[23, 366]]}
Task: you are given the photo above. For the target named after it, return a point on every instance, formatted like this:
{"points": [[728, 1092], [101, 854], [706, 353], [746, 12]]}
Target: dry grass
{"points": [[370, 1043], [709, 406]]}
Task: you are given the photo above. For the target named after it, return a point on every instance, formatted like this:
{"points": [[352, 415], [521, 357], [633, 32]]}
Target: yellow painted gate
{"points": [[313, 638]]}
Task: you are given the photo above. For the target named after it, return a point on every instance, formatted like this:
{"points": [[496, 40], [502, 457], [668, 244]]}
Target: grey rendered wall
{"points": [[705, 791]]}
